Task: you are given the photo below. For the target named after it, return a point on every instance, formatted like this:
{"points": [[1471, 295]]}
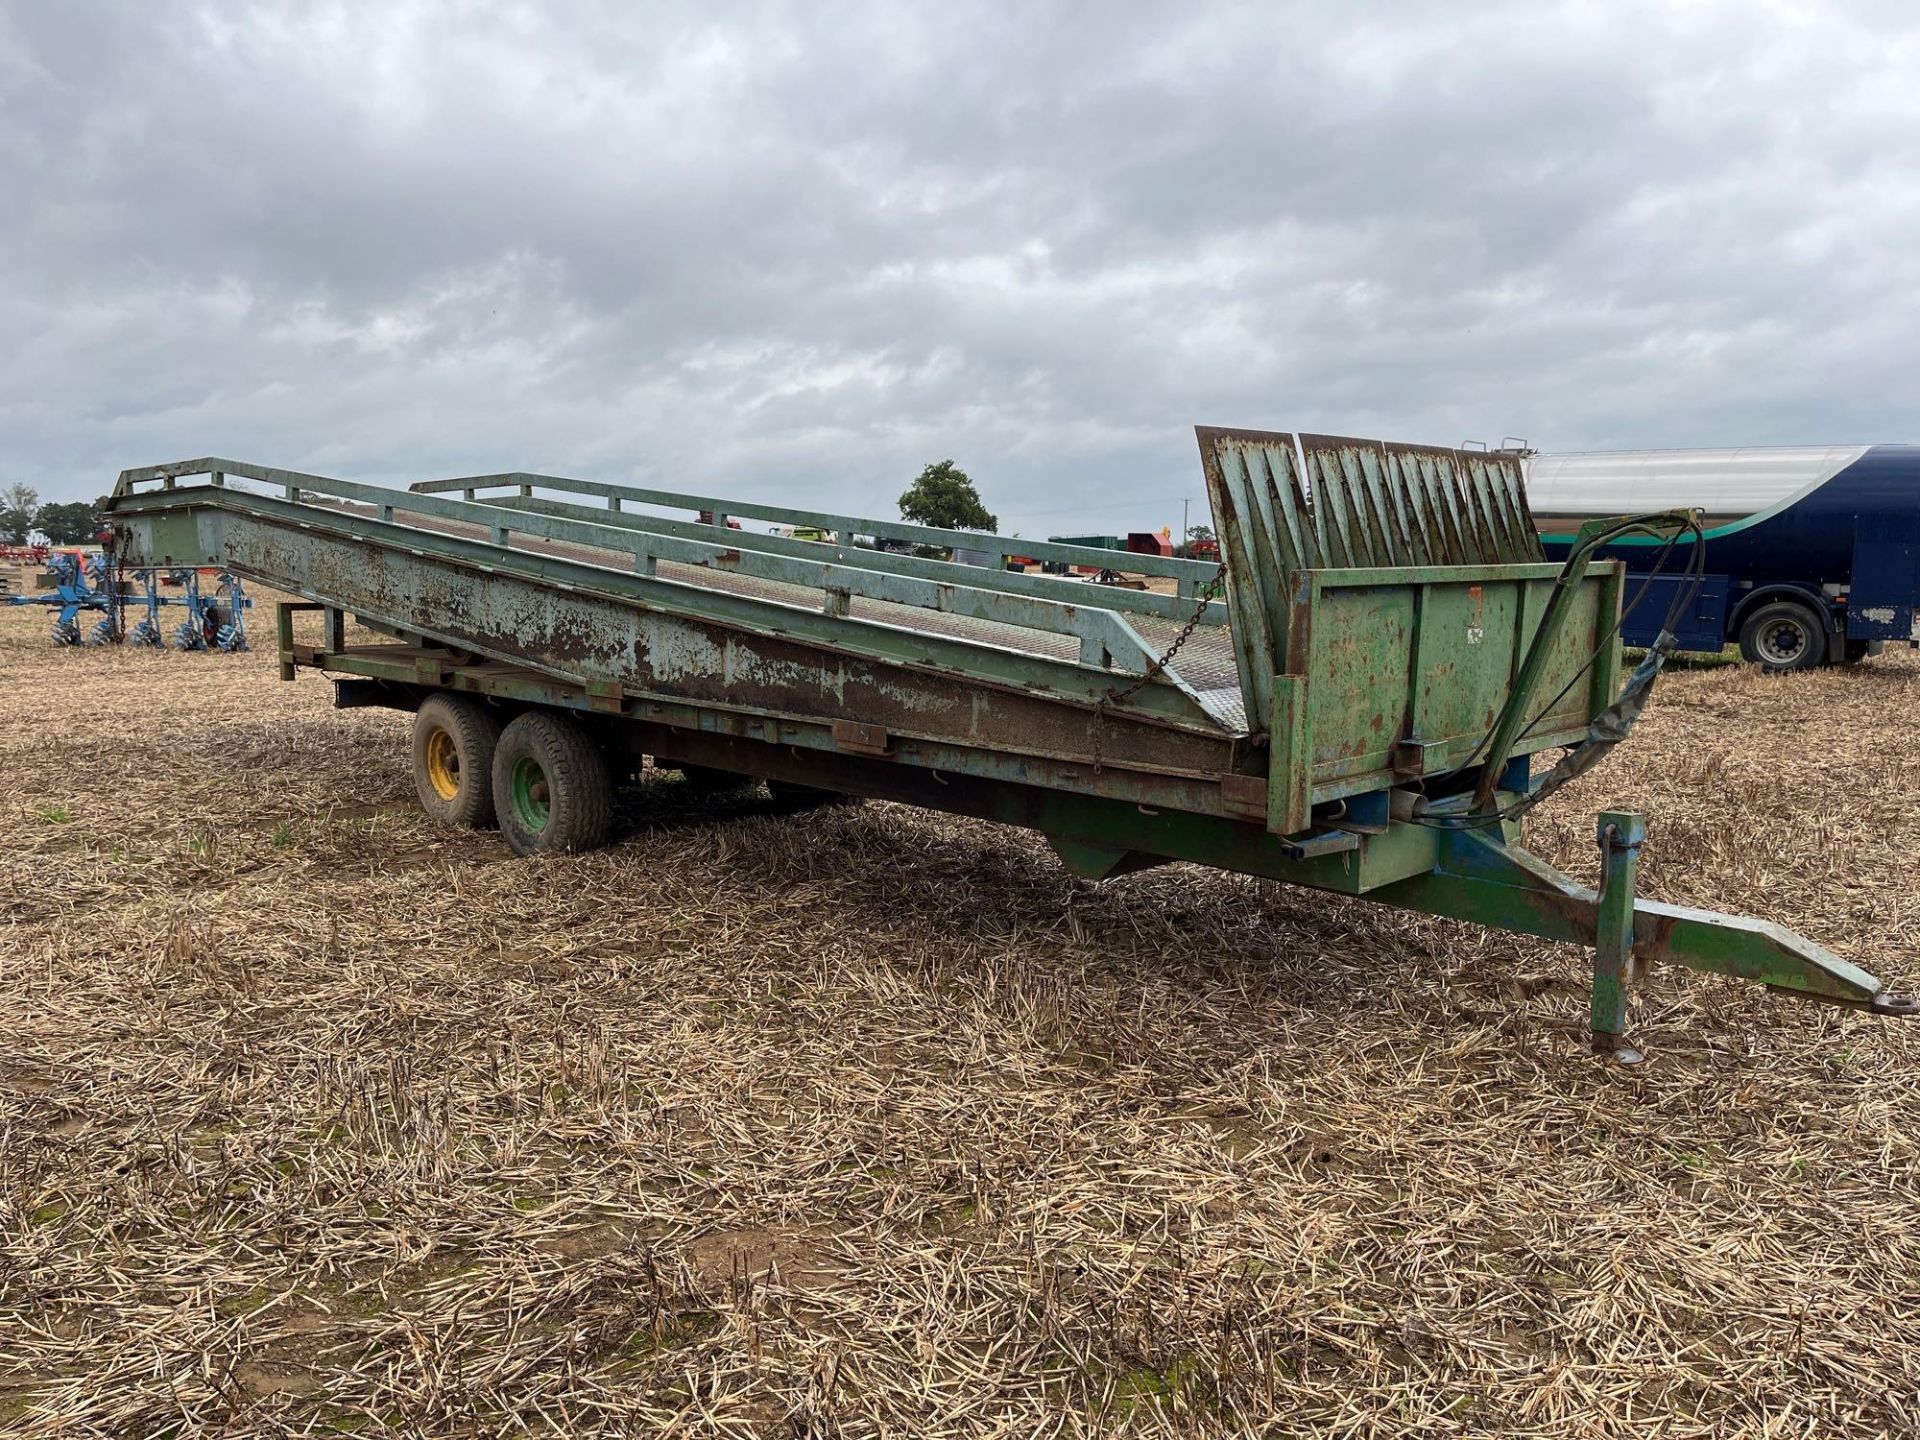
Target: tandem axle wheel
{"points": [[454, 738], [552, 790], [541, 778]]}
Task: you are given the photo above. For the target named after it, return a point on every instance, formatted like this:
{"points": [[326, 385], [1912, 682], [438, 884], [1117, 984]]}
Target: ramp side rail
{"points": [[1107, 651], [1189, 574]]}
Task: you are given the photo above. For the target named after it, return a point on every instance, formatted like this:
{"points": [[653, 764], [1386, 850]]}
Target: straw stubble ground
{"points": [[871, 1122]]}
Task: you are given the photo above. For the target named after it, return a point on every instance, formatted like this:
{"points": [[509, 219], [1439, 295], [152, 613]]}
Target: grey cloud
{"points": [[798, 251]]}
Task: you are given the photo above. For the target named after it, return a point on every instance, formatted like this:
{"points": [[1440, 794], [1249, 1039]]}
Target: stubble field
{"points": [[869, 1122]]}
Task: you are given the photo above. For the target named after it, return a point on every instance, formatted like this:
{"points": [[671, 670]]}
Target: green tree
{"points": [[1197, 535], [18, 505], [74, 523], [944, 497]]}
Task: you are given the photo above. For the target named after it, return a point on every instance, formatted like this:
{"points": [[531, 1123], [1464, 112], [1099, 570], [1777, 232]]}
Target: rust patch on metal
{"points": [[859, 738], [1245, 795]]}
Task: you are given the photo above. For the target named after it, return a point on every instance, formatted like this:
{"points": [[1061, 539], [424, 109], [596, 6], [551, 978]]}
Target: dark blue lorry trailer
{"points": [[1812, 552]]}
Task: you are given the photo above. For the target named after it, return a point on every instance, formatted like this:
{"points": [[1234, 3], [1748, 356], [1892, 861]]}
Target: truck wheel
{"points": [[551, 788], [1784, 636], [453, 744]]}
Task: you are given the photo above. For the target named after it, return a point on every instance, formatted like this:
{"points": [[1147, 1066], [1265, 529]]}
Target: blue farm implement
{"points": [[96, 602]]}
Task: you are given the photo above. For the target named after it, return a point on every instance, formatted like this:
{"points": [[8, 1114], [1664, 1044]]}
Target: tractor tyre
{"points": [[454, 738], [551, 788]]}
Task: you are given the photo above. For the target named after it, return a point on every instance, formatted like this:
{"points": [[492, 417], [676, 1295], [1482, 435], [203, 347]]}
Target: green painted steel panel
{"points": [[1358, 670], [1469, 646], [1431, 660]]}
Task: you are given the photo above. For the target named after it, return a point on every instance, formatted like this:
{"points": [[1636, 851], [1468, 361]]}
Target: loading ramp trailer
{"points": [[1350, 701]]}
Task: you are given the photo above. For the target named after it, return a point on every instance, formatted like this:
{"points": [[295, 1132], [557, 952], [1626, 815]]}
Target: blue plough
{"points": [[78, 587]]}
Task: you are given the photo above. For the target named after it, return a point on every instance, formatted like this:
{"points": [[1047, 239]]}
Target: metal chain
{"points": [[1120, 694]]}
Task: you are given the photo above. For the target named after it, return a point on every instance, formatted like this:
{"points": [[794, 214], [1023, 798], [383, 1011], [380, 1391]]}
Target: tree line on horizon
{"points": [[22, 516]]}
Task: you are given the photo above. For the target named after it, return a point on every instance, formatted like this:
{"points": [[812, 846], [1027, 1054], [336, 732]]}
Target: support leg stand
{"points": [[1621, 834]]}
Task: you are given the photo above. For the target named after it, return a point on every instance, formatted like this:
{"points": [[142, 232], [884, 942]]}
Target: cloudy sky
{"points": [[798, 251]]}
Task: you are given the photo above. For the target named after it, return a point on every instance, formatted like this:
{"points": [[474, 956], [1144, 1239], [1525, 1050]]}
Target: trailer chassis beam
{"points": [[1484, 878], [1479, 873], [1459, 867]]}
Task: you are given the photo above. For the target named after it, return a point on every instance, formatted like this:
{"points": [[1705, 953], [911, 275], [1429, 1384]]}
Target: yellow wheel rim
{"points": [[443, 765]]}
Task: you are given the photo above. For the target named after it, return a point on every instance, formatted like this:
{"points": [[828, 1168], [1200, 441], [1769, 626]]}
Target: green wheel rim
{"points": [[530, 804]]}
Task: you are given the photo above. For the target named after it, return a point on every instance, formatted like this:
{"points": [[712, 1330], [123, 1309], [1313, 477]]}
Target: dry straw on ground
{"points": [[869, 1122]]}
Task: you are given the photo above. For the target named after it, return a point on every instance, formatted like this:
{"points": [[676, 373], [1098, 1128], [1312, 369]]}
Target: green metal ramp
{"points": [[1348, 702]]}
